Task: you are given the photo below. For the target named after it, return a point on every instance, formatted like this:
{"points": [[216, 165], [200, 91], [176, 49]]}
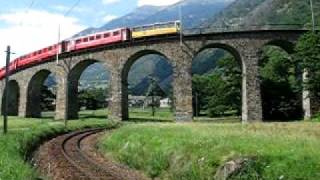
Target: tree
{"points": [[93, 98], [153, 91], [218, 92], [280, 85], [308, 56], [47, 99]]}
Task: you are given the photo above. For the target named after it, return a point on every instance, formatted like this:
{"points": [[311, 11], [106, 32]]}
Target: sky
{"points": [[28, 25]]}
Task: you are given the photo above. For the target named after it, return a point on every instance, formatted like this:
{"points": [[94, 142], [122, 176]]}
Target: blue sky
{"points": [[27, 28]]}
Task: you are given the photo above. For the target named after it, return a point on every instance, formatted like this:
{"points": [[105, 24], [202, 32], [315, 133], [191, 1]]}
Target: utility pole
{"points": [[58, 46], [151, 92], [312, 16], [153, 85], [5, 109], [197, 105]]}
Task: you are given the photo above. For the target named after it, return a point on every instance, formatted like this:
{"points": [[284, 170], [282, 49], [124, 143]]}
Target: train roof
{"points": [[157, 23], [100, 32]]}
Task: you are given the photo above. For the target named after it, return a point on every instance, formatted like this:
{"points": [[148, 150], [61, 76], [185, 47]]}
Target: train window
{"points": [[166, 26], [116, 33], [50, 48], [106, 35], [78, 41], [85, 39], [157, 26], [148, 28], [98, 36], [178, 24], [91, 38], [34, 54], [39, 52]]}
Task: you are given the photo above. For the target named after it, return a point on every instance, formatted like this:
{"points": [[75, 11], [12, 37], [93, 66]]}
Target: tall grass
{"points": [[195, 151], [26, 134]]}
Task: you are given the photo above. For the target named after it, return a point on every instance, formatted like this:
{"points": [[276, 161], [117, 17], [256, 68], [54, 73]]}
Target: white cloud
{"points": [[157, 2], [27, 32], [109, 18], [110, 1]]}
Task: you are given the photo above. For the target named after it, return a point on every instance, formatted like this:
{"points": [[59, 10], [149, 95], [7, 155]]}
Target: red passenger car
{"points": [[12, 67], [37, 56], [2, 72], [93, 40], [101, 38]]}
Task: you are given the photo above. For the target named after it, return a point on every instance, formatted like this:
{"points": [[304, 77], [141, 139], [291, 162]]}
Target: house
{"points": [[165, 103]]}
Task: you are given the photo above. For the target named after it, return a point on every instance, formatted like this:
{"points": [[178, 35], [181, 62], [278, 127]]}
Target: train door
{"points": [[125, 34], [64, 46]]}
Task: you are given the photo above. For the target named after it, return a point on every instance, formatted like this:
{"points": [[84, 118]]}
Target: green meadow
{"points": [[24, 135], [196, 150]]}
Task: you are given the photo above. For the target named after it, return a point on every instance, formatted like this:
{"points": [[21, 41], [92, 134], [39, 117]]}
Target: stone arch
{"points": [[33, 108], [72, 87], [124, 76], [233, 52], [229, 48], [13, 100], [286, 45]]}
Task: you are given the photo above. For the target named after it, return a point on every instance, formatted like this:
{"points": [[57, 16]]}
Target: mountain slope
{"points": [[132, 19], [195, 12], [264, 12]]}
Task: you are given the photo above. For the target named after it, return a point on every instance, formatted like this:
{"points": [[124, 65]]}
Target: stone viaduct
{"points": [[245, 46]]}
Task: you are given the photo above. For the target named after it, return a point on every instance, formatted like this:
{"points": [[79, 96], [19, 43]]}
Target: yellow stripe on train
{"points": [[156, 29], [154, 32]]}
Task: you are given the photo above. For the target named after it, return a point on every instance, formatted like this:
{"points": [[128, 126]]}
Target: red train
{"points": [[92, 40]]}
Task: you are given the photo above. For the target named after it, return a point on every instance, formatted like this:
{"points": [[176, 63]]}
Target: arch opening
{"points": [[281, 83], [147, 92], [88, 90], [41, 95], [13, 99], [217, 83]]}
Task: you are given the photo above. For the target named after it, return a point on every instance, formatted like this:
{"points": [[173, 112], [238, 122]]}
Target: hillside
{"points": [[134, 18], [264, 12], [195, 12]]}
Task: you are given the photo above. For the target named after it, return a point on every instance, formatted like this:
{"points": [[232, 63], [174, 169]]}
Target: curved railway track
{"points": [[66, 158], [71, 150]]}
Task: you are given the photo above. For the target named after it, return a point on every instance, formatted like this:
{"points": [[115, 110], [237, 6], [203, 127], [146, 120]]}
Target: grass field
{"points": [[176, 151], [195, 151], [143, 115], [26, 134]]}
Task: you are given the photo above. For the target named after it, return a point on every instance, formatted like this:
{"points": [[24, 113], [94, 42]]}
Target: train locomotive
{"points": [[90, 41]]}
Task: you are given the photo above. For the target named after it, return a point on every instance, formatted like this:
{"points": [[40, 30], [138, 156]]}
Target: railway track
{"points": [[71, 150], [65, 158]]}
